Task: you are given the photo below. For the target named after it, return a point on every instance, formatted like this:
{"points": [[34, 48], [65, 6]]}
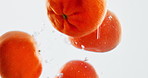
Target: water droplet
{"points": [[60, 75], [85, 66], [78, 71]]}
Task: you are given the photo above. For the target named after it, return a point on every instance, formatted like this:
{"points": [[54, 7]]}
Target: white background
{"points": [[127, 60]]}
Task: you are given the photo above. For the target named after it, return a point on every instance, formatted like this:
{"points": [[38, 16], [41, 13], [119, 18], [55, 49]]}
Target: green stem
{"points": [[64, 16]]}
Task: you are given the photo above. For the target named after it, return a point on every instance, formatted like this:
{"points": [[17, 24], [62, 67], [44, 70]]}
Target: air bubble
{"points": [[81, 63], [83, 47], [105, 42], [60, 75], [75, 42], [46, 61], [86, 59], [44, 27], [110, 17], [67, 41], [53, 31], [35, 34], [38, 32]]}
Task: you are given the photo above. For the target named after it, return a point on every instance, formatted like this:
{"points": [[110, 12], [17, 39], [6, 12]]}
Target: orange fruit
{"points": [[104, 39], [76, 17], [77, 69], [19, 56]]}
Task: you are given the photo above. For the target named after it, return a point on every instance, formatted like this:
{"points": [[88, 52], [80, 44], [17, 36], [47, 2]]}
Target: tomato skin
{"points": [[104, 39], [78, 69], [76, 18], [19, 56]]}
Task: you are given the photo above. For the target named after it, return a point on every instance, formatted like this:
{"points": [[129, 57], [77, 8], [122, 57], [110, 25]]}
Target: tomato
{"points": [[19, 56], [76, 17], [104, 39], [77, 69]]}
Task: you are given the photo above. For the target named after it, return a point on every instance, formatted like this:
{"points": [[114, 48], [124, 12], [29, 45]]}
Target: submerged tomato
{"points": [[77, 69], [76, 17], [19, 56], [104, 39]]}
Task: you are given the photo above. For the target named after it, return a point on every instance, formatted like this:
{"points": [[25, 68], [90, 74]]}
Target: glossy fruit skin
{"points": [[77, 69], [104, 39], [19, 56], [76, 18]]}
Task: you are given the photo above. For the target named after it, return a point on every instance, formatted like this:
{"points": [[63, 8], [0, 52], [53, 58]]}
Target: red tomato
{"points": [[76, 17], [104, 39], [77, 69], [19, 56]]}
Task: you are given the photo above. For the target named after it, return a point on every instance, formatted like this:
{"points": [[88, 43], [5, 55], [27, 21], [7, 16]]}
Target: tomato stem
{"points": [[64, 16]]}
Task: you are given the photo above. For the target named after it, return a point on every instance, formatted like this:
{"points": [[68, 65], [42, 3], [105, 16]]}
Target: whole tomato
{"points": [[103, 39], [19, 56]]}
